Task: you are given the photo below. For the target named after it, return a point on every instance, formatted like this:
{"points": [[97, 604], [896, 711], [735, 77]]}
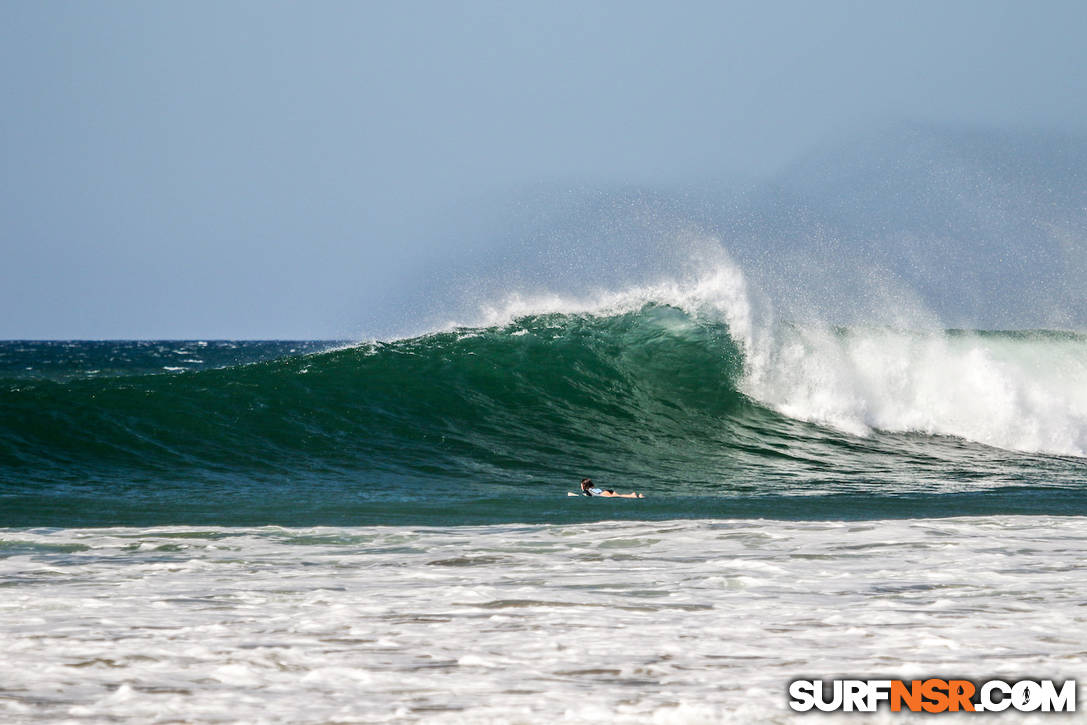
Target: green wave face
{"points": [[478, 424], [504, 400]]}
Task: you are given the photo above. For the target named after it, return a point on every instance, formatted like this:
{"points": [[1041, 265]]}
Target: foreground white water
{"points": [[691, 621]]}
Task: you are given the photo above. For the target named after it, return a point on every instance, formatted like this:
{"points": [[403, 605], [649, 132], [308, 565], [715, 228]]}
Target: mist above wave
{"points": [[896, 233], [981, 228]]}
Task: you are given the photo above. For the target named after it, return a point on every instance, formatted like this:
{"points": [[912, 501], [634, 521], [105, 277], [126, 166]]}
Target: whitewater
{"points": [[210, 531], [1024, 390], [673, 622]]}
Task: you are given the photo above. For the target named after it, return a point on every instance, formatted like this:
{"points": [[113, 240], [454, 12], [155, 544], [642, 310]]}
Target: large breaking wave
{"points": [[667, 382]]}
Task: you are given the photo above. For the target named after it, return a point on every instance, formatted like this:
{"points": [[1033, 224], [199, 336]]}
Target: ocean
{"points": [[381, 531]]}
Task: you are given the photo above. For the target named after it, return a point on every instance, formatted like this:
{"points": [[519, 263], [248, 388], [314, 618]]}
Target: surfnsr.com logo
{"points": [[932, 695]]}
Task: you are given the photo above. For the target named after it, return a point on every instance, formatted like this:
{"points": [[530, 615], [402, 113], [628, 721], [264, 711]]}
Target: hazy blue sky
{"points": [[258, 169]]}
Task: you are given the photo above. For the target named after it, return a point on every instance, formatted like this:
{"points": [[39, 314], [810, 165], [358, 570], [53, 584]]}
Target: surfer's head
{"points": [[586, 483]]}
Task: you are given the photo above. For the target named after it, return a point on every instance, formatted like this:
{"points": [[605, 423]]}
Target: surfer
{"points": [[589, 489]]}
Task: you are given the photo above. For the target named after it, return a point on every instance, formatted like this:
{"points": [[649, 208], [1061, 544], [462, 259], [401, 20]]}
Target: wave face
{"points": [[686, 392]]}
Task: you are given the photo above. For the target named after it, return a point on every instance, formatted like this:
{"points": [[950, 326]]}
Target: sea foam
{"points": [[690, 621]]}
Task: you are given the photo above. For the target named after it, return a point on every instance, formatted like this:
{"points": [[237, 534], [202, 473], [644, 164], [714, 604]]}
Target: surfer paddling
{"points": [[589, 489]]}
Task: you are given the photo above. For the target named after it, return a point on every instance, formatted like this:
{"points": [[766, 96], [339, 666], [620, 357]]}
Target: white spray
{"points": [[1025, 392]]}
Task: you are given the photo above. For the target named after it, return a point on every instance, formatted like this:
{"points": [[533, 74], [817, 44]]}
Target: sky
{"points": [[275, 170]]}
